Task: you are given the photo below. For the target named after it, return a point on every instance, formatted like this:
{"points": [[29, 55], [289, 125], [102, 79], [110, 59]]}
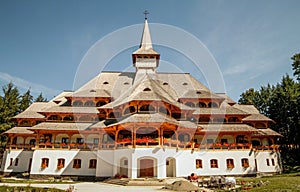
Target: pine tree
{"points": [[40, 98]]}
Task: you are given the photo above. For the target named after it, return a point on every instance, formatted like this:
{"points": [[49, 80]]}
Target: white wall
{"points": [[262, 166], [69, 156], [23, 162]]}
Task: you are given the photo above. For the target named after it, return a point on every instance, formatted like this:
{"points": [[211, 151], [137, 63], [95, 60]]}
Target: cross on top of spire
{"points": [[146, 13]]}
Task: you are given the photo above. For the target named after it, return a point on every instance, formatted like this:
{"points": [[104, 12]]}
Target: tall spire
{"points": [[146, 42], [145, 59]]}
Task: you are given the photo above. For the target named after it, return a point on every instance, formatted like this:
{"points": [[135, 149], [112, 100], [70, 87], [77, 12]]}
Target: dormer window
{"points": [[165, 83], [184, 83], [105, 83], [198, 92], [147, 89]]}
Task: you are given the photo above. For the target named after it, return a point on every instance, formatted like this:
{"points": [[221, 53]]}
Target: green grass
{"points": [[27, 189], [278, 183], [29, 181]]}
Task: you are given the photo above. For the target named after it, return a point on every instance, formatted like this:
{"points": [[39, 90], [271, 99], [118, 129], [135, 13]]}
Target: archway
{"points": [[171, 167], [146, 167], [123, 170]]}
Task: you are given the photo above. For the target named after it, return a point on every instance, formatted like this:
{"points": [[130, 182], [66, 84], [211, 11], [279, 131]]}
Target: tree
{"points": [[40, 98], [282, 104], [26, 101], [296, 65]]}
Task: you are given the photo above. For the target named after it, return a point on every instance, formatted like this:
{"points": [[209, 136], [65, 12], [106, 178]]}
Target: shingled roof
{"points": [[19, 130], [227, 128], [61, 126]]}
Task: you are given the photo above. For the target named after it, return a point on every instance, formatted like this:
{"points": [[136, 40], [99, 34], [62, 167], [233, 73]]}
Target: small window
{"points": [[77, 103], [45, 163], [184, 83], [77, 163], [11, 161], [165, 83], [125, 162], [89, 104], [93, 164], [147, 89], [92, 90], [245, 162], [230, 163], [105, 83], [79, 140], [65, 140], [16, 161], [214, 163], [60, 163], [198, 163], [126, 83], [198, 92], [96, 141], [273, 162], [268, 162]]}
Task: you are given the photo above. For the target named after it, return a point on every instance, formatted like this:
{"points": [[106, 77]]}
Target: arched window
{"points": [[260, 125], [54, 118], [190, 104], [147, 108], [77, 103], [164, 110], [213, 105], [219, 120], [102, 112], [100, 103], [69, 118], [89, 104], [86, 118], [128, 110], [204, 120], [147, 89], [232, 119], [201, 105]]}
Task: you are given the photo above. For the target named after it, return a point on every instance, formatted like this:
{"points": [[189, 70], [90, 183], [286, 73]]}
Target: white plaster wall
{"points": [[105, 163], [23, 162], [262, 166], [68, 169], [90, 138]]}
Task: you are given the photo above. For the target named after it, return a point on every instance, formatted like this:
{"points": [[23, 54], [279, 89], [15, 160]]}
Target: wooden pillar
{"points": [[161, 136], [54, 138], [133, 137]]}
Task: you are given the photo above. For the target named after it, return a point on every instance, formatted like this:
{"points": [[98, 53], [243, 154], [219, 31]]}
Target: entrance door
{"points": [[146, 168]]}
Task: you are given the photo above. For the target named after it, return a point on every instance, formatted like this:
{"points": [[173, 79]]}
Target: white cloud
{"points": [[23, 84]]}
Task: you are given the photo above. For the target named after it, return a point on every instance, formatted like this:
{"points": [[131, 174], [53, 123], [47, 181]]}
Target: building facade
{"points": [[141, 124]]}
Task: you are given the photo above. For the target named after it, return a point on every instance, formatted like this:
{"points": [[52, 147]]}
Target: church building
{"points": [[141, 124]]}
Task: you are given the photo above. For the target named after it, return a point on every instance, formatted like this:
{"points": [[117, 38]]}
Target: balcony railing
{"points": [[144, 143]]}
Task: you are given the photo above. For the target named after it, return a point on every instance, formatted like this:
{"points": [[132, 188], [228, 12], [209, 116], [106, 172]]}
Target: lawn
{"points": [[277, 183], [27, 189]]}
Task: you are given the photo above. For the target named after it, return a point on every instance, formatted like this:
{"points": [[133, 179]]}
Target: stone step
{"points": [[117, 181]]}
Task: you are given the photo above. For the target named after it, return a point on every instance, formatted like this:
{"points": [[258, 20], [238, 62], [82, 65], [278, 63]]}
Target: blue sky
{"points": [[42, 42]]}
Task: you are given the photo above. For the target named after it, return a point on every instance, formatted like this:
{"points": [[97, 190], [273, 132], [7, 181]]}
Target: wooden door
{"points": [[146, 168]]}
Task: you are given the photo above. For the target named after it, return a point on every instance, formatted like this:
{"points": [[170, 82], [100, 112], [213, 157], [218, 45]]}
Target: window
{"points": [[213, 163], [268, 162], [273, 162], [45, 163], [89, 104], [96, 141], [198, 163], [16, 161], [230, 163], [79, 140], [201, 105], [93, 164], [190, 104], [125, 162], [147, 89], [245, 162], [11, 161], [65, 140], [77, 163], [101, 103], [77, 103], [60, 163]]}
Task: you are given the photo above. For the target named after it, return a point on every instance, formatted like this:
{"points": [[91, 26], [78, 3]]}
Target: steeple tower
{"points": [[145, 59]]}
